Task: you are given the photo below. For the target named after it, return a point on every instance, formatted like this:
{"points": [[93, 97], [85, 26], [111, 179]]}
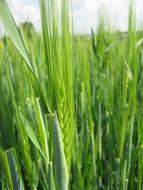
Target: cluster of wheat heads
{"points": [[71, 106]]}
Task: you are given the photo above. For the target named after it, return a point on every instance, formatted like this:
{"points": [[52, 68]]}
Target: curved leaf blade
{"points": [[12, 30]]}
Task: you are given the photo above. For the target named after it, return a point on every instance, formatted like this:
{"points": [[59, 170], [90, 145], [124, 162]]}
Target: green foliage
{"points": [[28, 29], [71, 106]]}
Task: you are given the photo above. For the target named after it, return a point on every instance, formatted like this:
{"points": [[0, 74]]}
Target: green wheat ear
{"points": [[58, 56], [65, 122]]}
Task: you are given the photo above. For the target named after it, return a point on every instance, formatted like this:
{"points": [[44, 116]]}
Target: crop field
{"points": [[71, 105]]}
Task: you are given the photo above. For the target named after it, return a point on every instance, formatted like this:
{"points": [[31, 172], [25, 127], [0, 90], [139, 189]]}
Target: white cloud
{"points": [[24, 10], [85, 12]]}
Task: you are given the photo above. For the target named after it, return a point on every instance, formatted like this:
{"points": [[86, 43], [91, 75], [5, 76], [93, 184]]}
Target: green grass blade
{"points": [[31, 134], [5, 169], [61, 169], [12, 30], [14, 170]]}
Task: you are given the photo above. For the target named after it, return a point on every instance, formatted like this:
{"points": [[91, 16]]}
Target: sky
{"points": [[86, 13]]}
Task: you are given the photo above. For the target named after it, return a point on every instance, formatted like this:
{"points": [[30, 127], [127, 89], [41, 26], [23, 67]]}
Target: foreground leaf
{"points": [[12, 31], [59, 157]]}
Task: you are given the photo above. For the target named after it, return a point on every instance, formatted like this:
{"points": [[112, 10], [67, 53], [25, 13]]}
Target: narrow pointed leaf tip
{"points": [[12, 30]]}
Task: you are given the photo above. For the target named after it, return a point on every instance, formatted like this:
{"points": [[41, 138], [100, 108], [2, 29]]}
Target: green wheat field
{"points": [[71, 105]]}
